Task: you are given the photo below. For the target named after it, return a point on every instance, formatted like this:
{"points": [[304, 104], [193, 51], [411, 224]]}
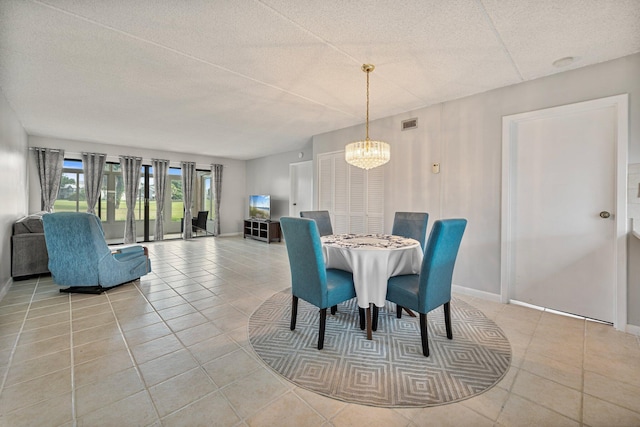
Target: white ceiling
{"points": [[248, 78]]}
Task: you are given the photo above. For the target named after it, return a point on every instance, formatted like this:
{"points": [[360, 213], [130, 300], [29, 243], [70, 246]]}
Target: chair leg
{"points": [[334, 309], [423, 334], [294, 311], [361, 315], [398, 311], [374, 318], [447, 319], [323, 322]]}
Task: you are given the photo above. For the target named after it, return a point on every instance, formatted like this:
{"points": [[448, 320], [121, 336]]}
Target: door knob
{"points": [[605, 214]]}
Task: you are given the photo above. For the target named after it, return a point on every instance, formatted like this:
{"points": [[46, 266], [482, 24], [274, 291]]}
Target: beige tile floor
{"points": [[172, 350]]}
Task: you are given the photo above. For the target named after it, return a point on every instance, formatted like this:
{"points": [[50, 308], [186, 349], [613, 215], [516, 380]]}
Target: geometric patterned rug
{"points": [[390, 370]]}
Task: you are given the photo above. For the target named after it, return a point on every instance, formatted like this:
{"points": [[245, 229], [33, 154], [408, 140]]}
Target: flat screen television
{"points": [[260, 206]]}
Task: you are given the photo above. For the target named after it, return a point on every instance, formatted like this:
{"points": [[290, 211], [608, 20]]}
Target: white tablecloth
{"points": [[372, 258]]}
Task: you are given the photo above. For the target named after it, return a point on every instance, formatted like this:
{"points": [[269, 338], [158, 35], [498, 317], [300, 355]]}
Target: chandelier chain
{"points": [[367, 122]]}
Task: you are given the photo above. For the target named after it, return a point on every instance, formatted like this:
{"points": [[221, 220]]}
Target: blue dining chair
{"points": [[412, 225], [322, 218], [310, 279], [432, 287]]}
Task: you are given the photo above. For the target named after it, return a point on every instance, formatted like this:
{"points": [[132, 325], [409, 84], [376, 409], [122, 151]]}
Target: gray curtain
{"points": [[188, 179], [49, 164], [131, 178], [160, 172], [216, 174], [93, 167]]}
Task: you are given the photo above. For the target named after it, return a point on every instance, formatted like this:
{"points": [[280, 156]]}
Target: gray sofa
{"points": [[28, 248]]}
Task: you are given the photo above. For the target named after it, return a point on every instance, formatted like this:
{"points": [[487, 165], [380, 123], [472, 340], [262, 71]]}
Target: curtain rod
{"points": [[75, 155]]}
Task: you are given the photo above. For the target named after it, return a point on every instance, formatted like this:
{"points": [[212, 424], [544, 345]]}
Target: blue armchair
{"points": [[310, 279], [432, 287], [412, 225], [80, 258], [322, 219]]}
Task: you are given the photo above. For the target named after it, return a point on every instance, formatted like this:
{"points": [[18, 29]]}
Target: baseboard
{"points": [[476, 293], [230, 234], [633, 329], [4, 288]]}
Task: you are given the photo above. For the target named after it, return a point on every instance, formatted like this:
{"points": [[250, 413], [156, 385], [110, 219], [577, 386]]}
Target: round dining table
{"points": [[372, 258]]}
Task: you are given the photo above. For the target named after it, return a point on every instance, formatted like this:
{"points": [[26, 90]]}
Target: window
{"points": [[152, 196], [71, 196], [112, 206], [175, 187], [203, 188], [113, 194]]}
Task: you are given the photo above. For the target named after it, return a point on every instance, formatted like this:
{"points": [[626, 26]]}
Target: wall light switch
{"points": [[435, 168]]}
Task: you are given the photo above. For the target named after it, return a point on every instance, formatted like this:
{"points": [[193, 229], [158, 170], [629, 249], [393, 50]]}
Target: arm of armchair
{"points": [[123, 264], [122, 253], [128, 249]]}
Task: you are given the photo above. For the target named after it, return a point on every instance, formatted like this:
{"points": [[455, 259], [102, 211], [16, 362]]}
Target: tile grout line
{"points": [[200, 365], [186, 348], [584, 356], [73, 364], [503, 308], [15, 344], [515, 377], [579, 421], [135, 363]]}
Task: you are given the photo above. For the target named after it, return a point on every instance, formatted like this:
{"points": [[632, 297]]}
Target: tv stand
{"points": [[260, 229]]}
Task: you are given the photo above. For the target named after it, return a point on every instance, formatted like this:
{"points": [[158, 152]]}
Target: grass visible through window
{"points": [[121, 212]]}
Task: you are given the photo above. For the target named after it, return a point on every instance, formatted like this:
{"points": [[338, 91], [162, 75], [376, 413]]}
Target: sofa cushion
{"points": [[29, 224], [29, 254]]}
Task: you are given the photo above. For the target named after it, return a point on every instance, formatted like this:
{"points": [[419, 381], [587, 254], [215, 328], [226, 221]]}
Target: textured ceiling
{"points": [[247, 78]]}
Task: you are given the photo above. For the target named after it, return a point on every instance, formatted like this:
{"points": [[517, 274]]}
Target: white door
{"points": [[301, 188], [561, 225]]}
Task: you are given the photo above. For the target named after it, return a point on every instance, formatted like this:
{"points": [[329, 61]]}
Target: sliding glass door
{"points": [[112, 206]]}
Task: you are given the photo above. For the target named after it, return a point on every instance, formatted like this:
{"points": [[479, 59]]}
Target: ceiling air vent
{"points": [[410, 124]]}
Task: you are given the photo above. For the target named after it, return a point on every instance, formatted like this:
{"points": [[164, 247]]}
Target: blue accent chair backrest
{"points": [[79, 255], [310, 279], [432, 287], [322, 218], [412, 225], [308, 270], [438, 263]]}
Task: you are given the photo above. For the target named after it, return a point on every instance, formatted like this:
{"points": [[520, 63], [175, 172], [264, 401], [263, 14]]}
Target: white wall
{"points": [[13, 164], [633, 247], [465, 136], [270, 175], [233, 175]]}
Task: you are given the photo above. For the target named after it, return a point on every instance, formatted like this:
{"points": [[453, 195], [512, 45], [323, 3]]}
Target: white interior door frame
{"points": [[509, 130], [296, 180]]}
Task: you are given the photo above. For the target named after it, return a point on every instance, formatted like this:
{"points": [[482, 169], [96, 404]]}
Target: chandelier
{"points": [[367, 154]]}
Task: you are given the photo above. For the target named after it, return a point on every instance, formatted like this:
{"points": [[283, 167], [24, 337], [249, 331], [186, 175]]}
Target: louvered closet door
{"points": [[357, 200], [375, 201], [353, 196], [325, 183], [340, 214]]}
